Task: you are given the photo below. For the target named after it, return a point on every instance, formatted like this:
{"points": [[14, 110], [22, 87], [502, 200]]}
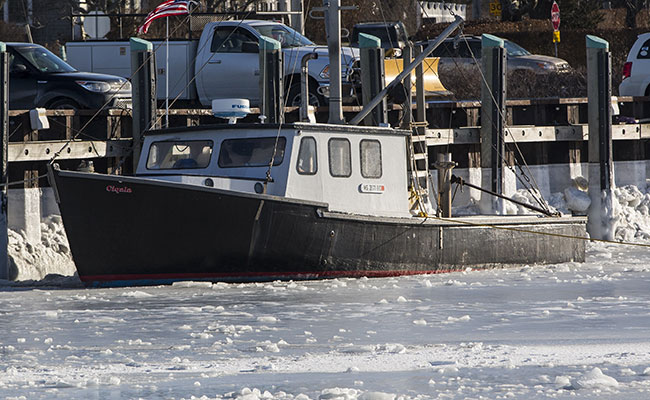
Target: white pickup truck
{"points": [[223, 63]]}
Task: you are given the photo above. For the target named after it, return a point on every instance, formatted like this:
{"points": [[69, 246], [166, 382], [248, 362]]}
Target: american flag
{"points": [[165, 9]]}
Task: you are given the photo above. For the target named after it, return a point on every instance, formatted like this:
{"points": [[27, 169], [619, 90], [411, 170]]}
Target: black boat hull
{"points": [[126, 231]]}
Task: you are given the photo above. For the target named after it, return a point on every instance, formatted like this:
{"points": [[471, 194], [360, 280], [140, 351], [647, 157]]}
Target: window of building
{"points": [[370, 151], [307, 161], [339, 158]]}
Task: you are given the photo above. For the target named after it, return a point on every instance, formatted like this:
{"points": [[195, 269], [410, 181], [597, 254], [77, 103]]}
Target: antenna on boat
{"points": [[231, 109]]}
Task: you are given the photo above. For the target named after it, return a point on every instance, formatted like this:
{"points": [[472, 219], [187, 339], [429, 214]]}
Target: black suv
{"points": [[38, 78], [392, 34]]}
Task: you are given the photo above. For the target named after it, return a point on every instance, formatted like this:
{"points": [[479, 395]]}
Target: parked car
{"points": [[458, 51], [38, 78], [636, 71], [393, 35], [393, 39], [224, 63]]}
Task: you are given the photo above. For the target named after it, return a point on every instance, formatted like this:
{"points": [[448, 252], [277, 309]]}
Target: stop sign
{"points": [[555, 16]]}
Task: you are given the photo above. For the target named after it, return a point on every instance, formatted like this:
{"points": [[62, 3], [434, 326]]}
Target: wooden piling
{"points": [[271, 80], [4, 160], [143, 70], [600, 223], [372, 77], [493, 112]]}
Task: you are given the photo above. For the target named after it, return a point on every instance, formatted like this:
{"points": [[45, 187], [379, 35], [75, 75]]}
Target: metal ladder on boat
{"points": [[419, 168]]}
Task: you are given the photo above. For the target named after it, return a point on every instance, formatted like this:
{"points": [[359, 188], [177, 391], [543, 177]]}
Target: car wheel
{"points": [[294, 97], [64, 104]]}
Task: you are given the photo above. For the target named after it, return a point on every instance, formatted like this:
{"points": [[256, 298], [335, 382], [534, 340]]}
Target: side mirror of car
{"points": [[19, 70], [250, 47]]}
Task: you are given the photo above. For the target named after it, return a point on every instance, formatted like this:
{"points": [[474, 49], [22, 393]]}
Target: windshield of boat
{"points": [[514, 50], [44, 60], [179, 154], [251, 152], [283, 34]]}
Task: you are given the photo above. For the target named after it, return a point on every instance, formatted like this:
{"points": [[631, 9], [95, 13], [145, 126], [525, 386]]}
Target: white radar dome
{"points": [[231, 109]]}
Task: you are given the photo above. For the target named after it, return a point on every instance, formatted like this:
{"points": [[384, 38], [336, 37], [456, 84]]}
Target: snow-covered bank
{"points": [[35, 261]]}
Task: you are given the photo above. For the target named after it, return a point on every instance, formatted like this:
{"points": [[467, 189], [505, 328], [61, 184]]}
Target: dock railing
{"points": [[557, 122]]}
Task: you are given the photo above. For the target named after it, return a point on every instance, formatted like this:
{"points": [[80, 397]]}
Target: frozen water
{"points": [[561, 331]]}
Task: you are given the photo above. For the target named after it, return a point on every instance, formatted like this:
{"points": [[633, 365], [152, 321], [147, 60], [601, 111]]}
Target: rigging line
{"points": [[506, 128], [12, 183], [292, 50], [282, 111], [469, 223], [158, 119], [525, 184], [57, 153], [81, 133], [461, 70], [390, 40], [392, 45]]}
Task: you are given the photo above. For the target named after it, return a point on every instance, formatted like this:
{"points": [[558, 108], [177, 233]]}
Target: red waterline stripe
{"points": [[249, 275]]}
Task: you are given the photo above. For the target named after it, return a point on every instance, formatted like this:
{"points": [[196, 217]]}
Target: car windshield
{"points": [[44, 60], [283, 34], [514, 49], [387, 35]]}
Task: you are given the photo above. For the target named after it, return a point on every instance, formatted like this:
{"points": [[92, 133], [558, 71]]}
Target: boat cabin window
{"points": [[370, 158], [307, 164], [339, 158], [251, 152], [179, 154]]}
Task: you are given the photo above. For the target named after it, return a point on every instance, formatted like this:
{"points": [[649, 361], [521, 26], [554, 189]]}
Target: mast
{"points": [[333, 28]]}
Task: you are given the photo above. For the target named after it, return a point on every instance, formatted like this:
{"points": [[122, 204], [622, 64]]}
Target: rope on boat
{"points": [[476, 224], [461, 182]]}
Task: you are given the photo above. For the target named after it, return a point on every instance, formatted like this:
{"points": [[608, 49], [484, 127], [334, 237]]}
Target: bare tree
{"points": [[632, 8], [514, 10]]}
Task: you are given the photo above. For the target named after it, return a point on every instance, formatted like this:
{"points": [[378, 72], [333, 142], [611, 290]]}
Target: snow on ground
{"points": [[558, 331], [35, 261]]}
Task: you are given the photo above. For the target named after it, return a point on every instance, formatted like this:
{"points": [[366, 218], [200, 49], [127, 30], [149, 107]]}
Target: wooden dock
{"points": [[548, 131]]}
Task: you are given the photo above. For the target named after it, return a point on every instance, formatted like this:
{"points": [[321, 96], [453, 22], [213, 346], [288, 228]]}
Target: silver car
{"points": [[462, 51]]}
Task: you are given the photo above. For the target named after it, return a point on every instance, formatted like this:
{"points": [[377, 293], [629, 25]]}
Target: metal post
{"points": [[143, 70], [407, 58], [476, 10], [28, 33], [444, 165], [419, 88], [297, 19], [333, 23], [493, 111], [601, 222], [167, 73], [271, 80], [372, 76], [4, 161], [304, 85]]}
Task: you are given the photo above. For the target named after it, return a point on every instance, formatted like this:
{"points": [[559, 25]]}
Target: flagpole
{"points": [[167, 77]]}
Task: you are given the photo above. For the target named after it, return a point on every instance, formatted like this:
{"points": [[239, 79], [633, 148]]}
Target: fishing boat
{"points": [[268, 201], [201, 206]]}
